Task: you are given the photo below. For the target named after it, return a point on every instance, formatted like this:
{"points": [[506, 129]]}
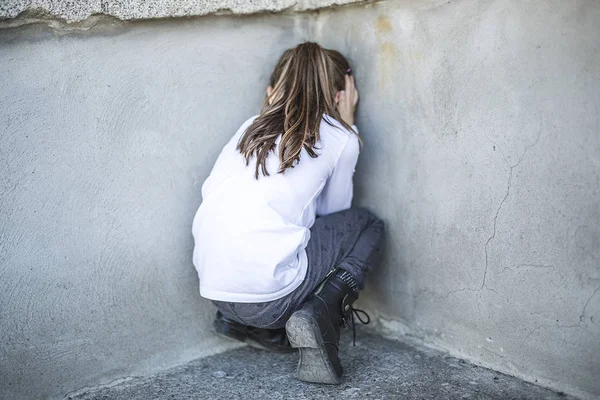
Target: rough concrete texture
{"points": [[141, 9], [375, 369], [106, 140], [480, 122], [481, 129]]}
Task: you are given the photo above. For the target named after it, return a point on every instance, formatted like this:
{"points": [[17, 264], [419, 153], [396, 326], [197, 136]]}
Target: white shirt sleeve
{"points": [[337, 193]]}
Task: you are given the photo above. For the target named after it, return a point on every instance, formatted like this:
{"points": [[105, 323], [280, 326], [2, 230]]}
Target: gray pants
{"points": [[349, 239]]}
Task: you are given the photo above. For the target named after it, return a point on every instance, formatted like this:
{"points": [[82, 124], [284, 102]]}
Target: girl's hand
{"points": [[347, 101]]}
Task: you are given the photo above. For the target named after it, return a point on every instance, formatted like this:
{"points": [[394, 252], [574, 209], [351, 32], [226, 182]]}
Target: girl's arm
{"points": [[337, 193]]}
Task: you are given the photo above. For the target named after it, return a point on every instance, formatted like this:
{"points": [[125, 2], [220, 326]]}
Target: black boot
{"points": [[266, 339], [315, 328]]}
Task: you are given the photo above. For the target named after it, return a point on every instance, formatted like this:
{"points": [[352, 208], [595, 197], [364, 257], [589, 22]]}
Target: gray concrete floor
{"points": [[376, 368]]}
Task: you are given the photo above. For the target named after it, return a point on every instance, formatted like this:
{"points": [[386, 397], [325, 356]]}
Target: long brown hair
{"points": [[304, 81]]}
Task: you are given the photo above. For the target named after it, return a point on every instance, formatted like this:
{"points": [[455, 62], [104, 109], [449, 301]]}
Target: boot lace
{"points": [[359, 315]]}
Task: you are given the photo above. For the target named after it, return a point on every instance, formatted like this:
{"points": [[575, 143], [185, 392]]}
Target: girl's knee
{"points": [[364, 213]]}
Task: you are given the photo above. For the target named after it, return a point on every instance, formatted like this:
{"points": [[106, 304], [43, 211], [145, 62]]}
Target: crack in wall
{"points": [[534, 330], [581, 317], [483, 284], [510, 176], [429, 292], [549, 266], [517, 367]]}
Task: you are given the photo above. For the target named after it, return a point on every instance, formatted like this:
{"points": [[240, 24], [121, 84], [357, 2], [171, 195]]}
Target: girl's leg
{"points": [[350, 239], [315, 327]]}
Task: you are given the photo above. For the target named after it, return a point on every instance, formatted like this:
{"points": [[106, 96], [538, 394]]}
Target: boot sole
{"points": [[232, 333], [314, 364]]}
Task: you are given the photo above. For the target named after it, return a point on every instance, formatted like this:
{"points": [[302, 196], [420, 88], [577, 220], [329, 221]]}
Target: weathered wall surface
{"points": [[106, 138], [482, 153], [136, 9]]}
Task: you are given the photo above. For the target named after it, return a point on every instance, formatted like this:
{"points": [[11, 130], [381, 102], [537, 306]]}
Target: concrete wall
{"points": [[482, 153], [481, 123], [107, 136]]}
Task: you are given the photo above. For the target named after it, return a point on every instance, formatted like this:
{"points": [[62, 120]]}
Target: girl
{"points": [[276, 242]]}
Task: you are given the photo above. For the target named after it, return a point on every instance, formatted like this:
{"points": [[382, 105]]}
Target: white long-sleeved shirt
{"points": [[250, 234]]}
